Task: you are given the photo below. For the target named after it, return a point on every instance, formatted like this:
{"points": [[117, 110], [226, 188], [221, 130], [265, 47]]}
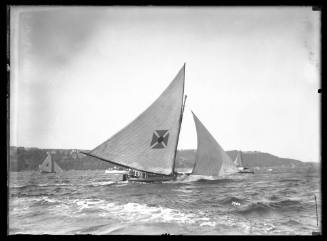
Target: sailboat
{"points": [[148, 145], [239, 163], [211, 160], [49, 165]]}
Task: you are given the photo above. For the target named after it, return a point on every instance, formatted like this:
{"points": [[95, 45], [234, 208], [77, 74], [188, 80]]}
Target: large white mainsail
{"points": [[211, 159], [149, 142]]}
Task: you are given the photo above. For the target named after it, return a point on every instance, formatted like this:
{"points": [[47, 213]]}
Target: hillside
{"points": [[30, 158]]}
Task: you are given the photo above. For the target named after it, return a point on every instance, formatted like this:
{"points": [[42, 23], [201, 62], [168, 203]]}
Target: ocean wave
{"points": [[205, 179], [26, 186], [215, 181], [211, 224], [230, 200], [129, 212], [291, 222], [101, 183], [273, 197], [258, 208], [290, 180], [90, 229], [145, 228], [287, 204], [143, 212], [49, 185], [268, 207], [17, 186], [29, 194], [33, 186], [44, 201]]}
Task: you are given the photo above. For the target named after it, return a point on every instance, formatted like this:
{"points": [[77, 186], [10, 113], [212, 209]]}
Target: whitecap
{"points": [[211, 224]]}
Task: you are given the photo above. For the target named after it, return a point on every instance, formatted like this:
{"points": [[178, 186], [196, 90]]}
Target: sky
{"points": [[80, 74]]}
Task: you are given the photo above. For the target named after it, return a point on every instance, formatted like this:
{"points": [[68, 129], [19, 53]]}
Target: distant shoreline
{"points": [[28, 158]]}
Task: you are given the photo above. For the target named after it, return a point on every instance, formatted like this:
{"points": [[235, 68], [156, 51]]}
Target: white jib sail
{"points": [[148, 143], [57, 169], [211, 159]]}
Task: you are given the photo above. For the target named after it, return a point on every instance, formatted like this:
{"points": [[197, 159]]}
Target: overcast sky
{"points": [[80, 74]]}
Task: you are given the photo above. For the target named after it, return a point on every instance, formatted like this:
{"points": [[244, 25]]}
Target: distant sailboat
{"points": [[148, 144], [239, 164], [49, 165], [211, 159]]}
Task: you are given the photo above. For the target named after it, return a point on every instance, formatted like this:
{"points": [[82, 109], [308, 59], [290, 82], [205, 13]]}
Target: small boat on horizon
{"points": [[49, 165], [240, 165]]}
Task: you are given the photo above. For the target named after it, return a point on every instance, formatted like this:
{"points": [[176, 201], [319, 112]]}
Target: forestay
{"points": [[211, 159], [148, 143]]}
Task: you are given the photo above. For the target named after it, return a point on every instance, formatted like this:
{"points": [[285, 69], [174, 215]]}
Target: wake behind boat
{"points": [[116, 171]]}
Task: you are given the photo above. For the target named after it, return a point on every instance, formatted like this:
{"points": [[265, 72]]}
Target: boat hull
{"points": [[152, 179], [45, 172], [251, 172]]}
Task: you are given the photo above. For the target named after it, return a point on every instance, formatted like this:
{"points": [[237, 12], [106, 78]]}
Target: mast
{"points": [[118, 164], [180, 123], [52, 164]]}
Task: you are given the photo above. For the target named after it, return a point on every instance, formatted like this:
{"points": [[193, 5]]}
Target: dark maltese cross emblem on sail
{"points": [[159, 139]]}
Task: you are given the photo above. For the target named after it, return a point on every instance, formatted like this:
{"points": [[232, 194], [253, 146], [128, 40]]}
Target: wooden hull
{"points": [[45, 172], [152, 179], [252, 172]]}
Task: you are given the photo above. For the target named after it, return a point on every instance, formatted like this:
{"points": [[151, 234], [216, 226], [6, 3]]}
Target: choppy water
{"points": [[87, 202]]}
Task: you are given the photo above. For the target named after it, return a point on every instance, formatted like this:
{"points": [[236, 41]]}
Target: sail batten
{"points": [[149, 142], [211, 159]]}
